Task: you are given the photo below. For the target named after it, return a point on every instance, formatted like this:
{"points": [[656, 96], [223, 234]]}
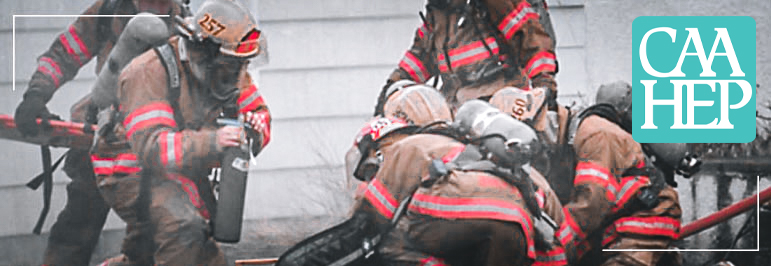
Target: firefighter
{"points": [[153, 170], [469, 216], [477, 47], [646, 213], [619, 200], [466, 214], [409, 107], [76, 231]]}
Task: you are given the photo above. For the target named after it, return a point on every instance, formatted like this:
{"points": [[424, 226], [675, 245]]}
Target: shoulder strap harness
{"points": [[169, 61]]}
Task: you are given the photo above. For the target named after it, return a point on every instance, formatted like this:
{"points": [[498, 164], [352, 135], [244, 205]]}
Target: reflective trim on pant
{"points": [[553, 257], [651, 226]]}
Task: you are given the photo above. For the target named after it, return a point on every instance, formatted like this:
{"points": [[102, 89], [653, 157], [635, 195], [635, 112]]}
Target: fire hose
{"points": [[725, 213], [256, 262]]}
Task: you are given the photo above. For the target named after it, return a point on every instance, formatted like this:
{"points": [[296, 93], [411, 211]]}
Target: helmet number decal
{"points": [[527, 103], [210, 25], [377, 127], [520, 106]]}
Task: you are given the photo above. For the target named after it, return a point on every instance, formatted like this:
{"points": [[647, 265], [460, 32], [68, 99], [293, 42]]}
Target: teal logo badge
{"points": [[693, 79]]}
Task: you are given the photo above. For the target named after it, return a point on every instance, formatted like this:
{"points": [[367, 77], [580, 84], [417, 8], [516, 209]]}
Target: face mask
{"points": [[224, 74], [217, 72]]}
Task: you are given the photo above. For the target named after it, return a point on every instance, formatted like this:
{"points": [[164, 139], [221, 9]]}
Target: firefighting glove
{"points": [[256, 139], [545, 229], [27, 113]]}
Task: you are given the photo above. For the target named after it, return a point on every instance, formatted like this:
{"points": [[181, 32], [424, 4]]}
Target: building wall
{"points": [[328, 61]]}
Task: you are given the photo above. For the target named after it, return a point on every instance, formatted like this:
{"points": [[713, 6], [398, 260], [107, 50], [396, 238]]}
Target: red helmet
{"points": [[361, 161]]}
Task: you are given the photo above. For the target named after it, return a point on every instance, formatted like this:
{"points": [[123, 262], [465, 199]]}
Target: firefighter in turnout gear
{"points": [[619, 200], [645, 210], [395, 144], [466, 214], [409, 106], [477, 47], [76, 231], [154, 173]]}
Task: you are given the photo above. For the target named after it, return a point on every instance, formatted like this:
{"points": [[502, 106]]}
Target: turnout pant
{"points": [[178, 219], [655, 228], [78, 226]]}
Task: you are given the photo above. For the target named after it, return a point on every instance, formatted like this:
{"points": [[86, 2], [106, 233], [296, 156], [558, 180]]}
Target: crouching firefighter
{"points": [[416, 105], [153, 171], [620, 199], [422, 106], [399, 221]]}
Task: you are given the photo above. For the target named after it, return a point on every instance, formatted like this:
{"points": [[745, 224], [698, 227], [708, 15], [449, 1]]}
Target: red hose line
{"points": [[256, 261], [724, 214]]}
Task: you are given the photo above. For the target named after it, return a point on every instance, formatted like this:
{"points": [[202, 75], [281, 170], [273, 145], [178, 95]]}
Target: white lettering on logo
{"points": [[644, 54], [691, 103], [706, 64]]}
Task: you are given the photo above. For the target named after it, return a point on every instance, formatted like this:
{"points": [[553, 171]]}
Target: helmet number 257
{"points": [[210, 25]]}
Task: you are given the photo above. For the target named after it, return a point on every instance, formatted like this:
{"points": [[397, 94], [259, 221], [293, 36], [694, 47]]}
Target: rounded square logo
{"points": [[693, 79]]}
